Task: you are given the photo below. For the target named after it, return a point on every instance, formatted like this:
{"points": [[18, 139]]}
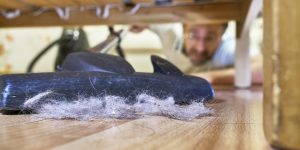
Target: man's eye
{"points": [[209, 39], [191, 36]]}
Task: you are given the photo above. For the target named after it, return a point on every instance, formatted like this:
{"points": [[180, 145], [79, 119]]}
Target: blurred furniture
{"points": [[281, 73], [83, 12]]}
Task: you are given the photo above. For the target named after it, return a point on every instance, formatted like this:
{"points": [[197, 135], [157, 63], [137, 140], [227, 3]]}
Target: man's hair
{"points": [[185, 26], [225, 25]]}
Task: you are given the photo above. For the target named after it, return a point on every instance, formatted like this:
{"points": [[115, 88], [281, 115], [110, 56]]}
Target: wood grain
{"points": [[281, 73], [25, 4], [222, 11], [236, 124]]}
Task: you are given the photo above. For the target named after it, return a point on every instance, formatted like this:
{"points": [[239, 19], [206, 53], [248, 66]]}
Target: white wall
{"points": [[18, 46]]}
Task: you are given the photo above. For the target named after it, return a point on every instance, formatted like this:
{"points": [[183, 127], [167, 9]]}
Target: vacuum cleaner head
{"points": [[95, 74]]}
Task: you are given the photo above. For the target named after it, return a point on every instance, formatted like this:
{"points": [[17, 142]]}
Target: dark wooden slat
{"points": [[11, 4], [218, 12], [39, 3]]}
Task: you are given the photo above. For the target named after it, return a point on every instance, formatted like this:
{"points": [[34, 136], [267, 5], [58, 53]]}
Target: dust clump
{"points": [[90, 108]]}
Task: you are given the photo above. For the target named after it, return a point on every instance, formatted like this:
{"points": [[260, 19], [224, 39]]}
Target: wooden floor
{"points": [[236, 124]]}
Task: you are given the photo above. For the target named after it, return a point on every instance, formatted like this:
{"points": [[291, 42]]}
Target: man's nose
{"points": [[200, 47]]}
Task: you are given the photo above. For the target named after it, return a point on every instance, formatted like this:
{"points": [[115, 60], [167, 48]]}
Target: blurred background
{"points": [[18, 46]]}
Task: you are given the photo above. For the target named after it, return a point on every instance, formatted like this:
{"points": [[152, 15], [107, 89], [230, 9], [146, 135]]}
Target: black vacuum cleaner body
{"points": [[71, 40], [93, 74]]}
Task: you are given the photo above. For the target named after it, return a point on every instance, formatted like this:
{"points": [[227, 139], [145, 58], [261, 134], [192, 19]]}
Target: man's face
{"points": [[202, 41]]}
